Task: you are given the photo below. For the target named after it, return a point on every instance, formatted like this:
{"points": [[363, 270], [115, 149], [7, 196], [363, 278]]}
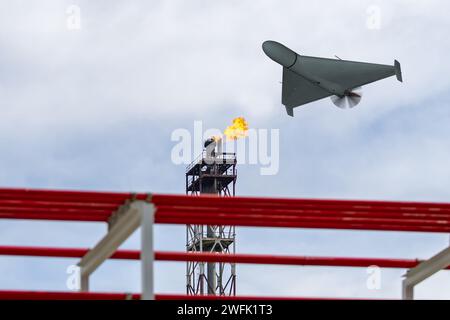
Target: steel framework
{"points": [[211, 173], [125, 212]]}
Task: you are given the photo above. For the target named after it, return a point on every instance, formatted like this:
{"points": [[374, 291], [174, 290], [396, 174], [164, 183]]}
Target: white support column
{"points": [[84, 282], [147, 251], [407, 291], [119, 232], [423, 271]]}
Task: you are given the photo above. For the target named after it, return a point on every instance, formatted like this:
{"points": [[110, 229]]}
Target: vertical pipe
{"points": [[147, 251], [233, 265], [211, 266], [188, 278], [234, 177], [202, 264]]}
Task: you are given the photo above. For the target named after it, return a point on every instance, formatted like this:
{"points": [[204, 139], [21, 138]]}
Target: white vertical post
{"points": [[147, 252], [407, 291], [84, 282], [423, 271]]}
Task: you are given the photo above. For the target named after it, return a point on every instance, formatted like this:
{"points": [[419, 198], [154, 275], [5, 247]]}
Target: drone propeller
{"points": [[349, 100]]}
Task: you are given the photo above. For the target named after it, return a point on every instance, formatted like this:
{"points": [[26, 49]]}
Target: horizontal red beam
{"points": [[52, 217], [53, 194], [328, 212], [287, 260], [441, 224], [239, 211], [62, 252], [243, 215], [55, 211], [201, 201], [213, 297], [55, 295], [255, 221], [251, 222], [181, 200], [33, 204], [245, 222], [213, 257]]}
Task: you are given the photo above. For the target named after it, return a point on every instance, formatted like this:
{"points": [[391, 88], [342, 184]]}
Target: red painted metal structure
{"points": [[55, 295], [239, 211], [211, 257]]}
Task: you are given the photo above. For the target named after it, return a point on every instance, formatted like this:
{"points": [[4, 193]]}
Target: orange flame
{"points": [[237, 130]]}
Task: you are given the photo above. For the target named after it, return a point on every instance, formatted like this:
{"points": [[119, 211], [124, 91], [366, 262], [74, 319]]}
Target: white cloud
{"points": [[191, 57]]}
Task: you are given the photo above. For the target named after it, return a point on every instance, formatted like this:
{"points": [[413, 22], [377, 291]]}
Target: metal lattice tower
{"points": [[213, 172]]}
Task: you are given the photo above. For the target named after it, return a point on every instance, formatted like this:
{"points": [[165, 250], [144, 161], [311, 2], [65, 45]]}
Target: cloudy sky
{"points": [[94, 108]]}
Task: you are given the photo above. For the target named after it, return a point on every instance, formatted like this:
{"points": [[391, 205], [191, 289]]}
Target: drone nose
{"points": [[279, 53], [267, 46]]}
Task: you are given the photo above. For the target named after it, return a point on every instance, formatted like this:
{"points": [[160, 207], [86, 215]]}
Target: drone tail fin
{"points": [[398, 71], [290, 111]]}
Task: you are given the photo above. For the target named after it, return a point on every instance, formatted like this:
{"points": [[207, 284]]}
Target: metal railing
{"points": [[144, 210]]}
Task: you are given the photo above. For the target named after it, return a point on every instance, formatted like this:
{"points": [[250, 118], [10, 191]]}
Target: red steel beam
{"points": [[251, 222], [161, 199], [55, 295], [308, 218], [116, 198], [63, 193], [58, 295], [216, 297], [62, 252], [251, 219], [348, 212], [54, 211], [235, 201], [56, 205], [287, 260], [52, 217], [213, 257], [242, 211], [68, 196], [302, 213], [248, 222]]}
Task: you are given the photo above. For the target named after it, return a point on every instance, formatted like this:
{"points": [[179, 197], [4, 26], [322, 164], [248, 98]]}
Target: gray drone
{"points": [[307, 79]]}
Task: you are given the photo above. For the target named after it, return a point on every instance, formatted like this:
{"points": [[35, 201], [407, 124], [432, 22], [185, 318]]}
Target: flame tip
{"points": [[237, 130]]}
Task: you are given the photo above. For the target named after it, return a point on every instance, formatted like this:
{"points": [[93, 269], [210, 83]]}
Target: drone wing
{"points": [[348, 74], [298, 91]]}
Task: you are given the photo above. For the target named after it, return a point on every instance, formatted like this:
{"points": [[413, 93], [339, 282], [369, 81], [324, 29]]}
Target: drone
{"points": [[307, 79]]}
